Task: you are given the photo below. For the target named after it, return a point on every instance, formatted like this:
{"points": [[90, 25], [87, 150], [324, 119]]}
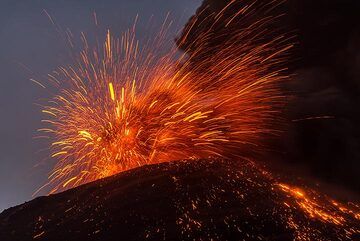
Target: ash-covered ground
{"points": [[186, 200]]}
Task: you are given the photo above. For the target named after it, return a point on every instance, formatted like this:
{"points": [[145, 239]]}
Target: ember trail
{"points": [[121, 107]]}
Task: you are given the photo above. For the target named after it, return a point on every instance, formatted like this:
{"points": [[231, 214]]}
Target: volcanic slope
{"points": [[184, 200]]}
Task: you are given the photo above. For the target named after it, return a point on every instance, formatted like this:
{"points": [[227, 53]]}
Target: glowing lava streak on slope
{"points": [[125, 106]]}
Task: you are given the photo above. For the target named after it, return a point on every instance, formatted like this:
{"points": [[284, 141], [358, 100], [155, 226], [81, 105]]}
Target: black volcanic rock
{"points": [[185, 200]]}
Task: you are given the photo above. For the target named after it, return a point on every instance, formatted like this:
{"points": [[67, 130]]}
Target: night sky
{"points": [[30, 47], [326, 82]]}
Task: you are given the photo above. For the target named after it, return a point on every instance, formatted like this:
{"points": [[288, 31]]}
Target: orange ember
{"points": [[125, 106]]}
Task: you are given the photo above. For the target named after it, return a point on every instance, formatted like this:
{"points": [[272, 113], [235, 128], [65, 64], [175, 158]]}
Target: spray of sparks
{"points": [[124, 106]]}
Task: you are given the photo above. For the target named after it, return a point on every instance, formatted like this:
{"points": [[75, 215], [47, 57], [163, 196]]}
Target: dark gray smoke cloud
{"points": [[327, 83], [325, 89]]}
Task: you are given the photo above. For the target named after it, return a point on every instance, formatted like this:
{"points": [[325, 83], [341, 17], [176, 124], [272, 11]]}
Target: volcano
{"points": [[183, 200]]}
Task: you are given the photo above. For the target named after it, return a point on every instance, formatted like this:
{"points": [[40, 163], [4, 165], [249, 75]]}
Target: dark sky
{"points": [[27, 38]]}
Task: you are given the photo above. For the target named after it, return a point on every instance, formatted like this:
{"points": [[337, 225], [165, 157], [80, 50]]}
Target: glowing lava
{"points": [[125, 106]]}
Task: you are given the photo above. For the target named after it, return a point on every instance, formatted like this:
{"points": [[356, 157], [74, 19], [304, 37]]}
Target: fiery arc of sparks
{"points": [[124, 106]]}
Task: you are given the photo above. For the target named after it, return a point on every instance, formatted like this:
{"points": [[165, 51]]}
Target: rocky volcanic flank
{"points": [[185, 200]]}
